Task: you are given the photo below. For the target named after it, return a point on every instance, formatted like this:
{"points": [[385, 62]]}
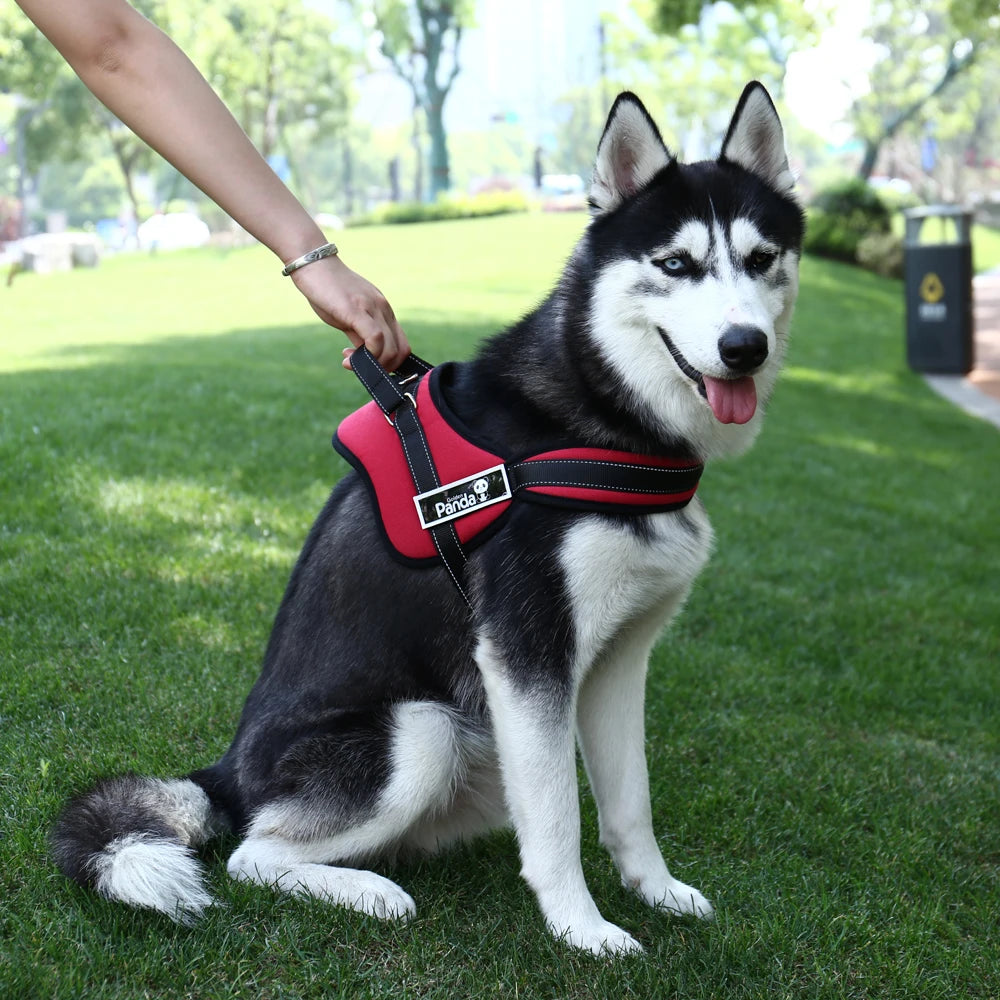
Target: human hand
{"points": [[349, 302]]}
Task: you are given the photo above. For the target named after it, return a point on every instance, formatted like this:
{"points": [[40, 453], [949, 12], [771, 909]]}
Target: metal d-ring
{"points": [[410, 397]]}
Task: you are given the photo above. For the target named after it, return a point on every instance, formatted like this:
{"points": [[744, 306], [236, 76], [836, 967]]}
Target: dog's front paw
{"points": [[676, 898], [600, 937]]}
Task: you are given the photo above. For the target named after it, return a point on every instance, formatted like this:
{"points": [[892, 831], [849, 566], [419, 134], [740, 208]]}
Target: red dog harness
{"points": [[438, 492]]}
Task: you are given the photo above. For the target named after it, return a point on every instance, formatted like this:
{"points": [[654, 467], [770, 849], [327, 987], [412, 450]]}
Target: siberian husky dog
{"points": [[391, 715]]}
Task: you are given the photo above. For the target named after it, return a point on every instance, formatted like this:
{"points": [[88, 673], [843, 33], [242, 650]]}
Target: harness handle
{"points": [[385, 388]]}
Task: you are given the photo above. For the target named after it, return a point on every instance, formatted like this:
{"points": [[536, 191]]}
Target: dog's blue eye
{"points": [[678, 264]]}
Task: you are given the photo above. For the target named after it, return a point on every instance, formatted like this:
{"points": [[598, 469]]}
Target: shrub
{"points": [[855, 197], [841, 216], [827, 237], [882, 253], [446, 207]]}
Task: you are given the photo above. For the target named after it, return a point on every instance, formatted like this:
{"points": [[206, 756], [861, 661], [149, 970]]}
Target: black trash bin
{"points": [[938, 278]]}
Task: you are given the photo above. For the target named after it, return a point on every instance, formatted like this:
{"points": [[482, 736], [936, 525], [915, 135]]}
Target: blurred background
{"points": [[396, 110]]}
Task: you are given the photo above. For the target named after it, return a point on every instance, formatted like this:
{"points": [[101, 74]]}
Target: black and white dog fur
{"points": [[387, 717]]}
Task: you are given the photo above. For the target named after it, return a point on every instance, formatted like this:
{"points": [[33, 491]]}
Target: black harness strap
{"points": [[622, 477], [400, 409]]}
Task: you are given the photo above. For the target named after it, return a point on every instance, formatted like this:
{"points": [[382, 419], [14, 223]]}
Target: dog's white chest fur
{"points": [[615, 576]]}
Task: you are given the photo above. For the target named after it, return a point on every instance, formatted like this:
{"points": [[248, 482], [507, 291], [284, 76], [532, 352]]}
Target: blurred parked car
{"points": [[173, 231]]}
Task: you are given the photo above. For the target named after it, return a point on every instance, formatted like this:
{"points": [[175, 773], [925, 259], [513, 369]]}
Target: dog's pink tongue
{"points": [[733, 401]]}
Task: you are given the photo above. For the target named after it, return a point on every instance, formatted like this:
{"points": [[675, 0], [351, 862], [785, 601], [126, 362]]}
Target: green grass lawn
{"points": [[985, 248], [823, 720]]}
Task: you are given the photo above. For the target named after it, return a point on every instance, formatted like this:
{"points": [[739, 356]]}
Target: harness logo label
{"points": [[463, 496]]}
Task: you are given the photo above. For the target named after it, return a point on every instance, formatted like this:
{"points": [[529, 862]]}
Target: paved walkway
{"points": [[979, 391]]}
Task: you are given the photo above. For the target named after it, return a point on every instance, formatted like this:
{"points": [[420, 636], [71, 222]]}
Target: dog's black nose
{"points": [[743, 348]]}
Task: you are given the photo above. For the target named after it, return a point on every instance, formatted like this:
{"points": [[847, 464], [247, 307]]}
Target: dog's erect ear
{"points": [[756, 141], [629, 155]]}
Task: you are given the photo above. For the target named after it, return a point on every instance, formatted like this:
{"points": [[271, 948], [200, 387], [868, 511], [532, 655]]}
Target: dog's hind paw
{"points": [[600, 938]]}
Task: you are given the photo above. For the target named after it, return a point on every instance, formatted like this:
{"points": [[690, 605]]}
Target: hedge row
{"points": [[446, 207]]}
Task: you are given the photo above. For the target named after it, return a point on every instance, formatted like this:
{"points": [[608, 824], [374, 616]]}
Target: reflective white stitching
{"points": [[528, 463], [371, 391], [605, 489]]}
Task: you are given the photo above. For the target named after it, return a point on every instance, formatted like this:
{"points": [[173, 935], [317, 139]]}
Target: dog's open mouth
{"points": [[733, 400]]}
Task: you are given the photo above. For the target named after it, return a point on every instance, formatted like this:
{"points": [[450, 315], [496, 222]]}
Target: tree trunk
{"points": [[436, 19], [348, 179], [126, 163], [440, 168], [434, 94], [418, 152], [868, 161]]}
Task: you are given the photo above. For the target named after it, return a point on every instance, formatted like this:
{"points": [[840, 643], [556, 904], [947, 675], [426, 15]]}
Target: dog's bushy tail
{"points": [[131, 839]]}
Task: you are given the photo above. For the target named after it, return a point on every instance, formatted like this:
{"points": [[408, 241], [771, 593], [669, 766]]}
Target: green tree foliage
{"points": [[52, 107], [581, 120], [200, 31], [481, 159], [96, 186], [670, 17], [280, 66], [421, 39], [274, 62], [970, 17], [698, 71], [746, 35], [925, 51]]}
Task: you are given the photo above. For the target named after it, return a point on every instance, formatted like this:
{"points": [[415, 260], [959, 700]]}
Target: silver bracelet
{"points": [[326, 250]]}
